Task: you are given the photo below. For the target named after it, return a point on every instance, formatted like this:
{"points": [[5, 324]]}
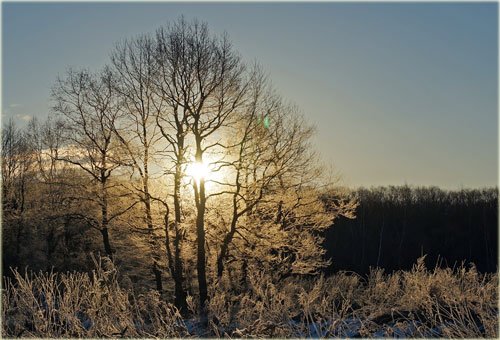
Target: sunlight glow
{"points": [[209, 170], [198, 171]]}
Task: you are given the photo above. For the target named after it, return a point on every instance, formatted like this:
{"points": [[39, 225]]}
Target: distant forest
{"points": [[396, 225]]}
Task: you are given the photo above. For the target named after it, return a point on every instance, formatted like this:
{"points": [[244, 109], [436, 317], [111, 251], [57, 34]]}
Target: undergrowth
{"points": [[460, 303]]}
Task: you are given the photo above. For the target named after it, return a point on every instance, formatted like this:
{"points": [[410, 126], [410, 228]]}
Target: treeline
{"points": [[397, 225]]}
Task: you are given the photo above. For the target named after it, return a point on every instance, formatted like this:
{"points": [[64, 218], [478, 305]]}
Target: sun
{"points": [[198, 171], [214, 176]]}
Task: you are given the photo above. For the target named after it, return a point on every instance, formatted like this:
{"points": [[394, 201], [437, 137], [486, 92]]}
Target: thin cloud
{"points": [[24, 117]]}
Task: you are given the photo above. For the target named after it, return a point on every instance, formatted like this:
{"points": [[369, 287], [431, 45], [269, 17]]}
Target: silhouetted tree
{"points": [[18, 164], [89, 105], [135, 73]]}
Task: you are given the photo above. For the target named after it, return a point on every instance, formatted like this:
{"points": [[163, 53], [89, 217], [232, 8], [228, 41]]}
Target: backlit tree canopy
{"points": [[186, 152]]}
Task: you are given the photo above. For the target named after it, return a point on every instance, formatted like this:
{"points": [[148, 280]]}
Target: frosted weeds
{"points": [[417, 303]]}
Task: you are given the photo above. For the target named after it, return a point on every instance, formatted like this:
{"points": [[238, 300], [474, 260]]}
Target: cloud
{"points": [[10, 109], [23, 117]]}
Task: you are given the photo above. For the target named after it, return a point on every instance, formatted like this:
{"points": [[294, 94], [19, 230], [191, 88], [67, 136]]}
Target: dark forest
{"points": [[396, 225]]}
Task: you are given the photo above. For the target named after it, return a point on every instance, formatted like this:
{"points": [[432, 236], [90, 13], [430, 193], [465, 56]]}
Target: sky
{"points": [[400, 93]]}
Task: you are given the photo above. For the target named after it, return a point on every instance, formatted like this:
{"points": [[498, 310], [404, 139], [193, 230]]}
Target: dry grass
{"points": [[81, 305], [417, 303]]}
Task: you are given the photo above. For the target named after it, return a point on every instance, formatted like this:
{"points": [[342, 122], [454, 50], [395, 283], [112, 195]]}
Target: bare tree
{"points": [[18, 163], [172, 121], [274, 181], [135, 69], [210, 95], [46, 140], [205, 83], [90, 107]]}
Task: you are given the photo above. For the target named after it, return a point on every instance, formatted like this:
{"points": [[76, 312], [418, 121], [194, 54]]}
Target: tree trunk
{"points": [[104, 211], [107, 245], [200, 199], [180, 294], [149, 222], [200, 233], [244, 275], [104, 231], [19, 231], [177, 268], [157, 273], [224, 249], [177, 190], [222, 255]]}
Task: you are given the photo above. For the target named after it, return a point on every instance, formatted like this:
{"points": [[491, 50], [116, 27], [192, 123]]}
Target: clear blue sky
{"points": [[399, 92]]}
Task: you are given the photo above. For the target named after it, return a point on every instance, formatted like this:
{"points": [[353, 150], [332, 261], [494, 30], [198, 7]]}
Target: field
{"points": [[460, 303]]}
